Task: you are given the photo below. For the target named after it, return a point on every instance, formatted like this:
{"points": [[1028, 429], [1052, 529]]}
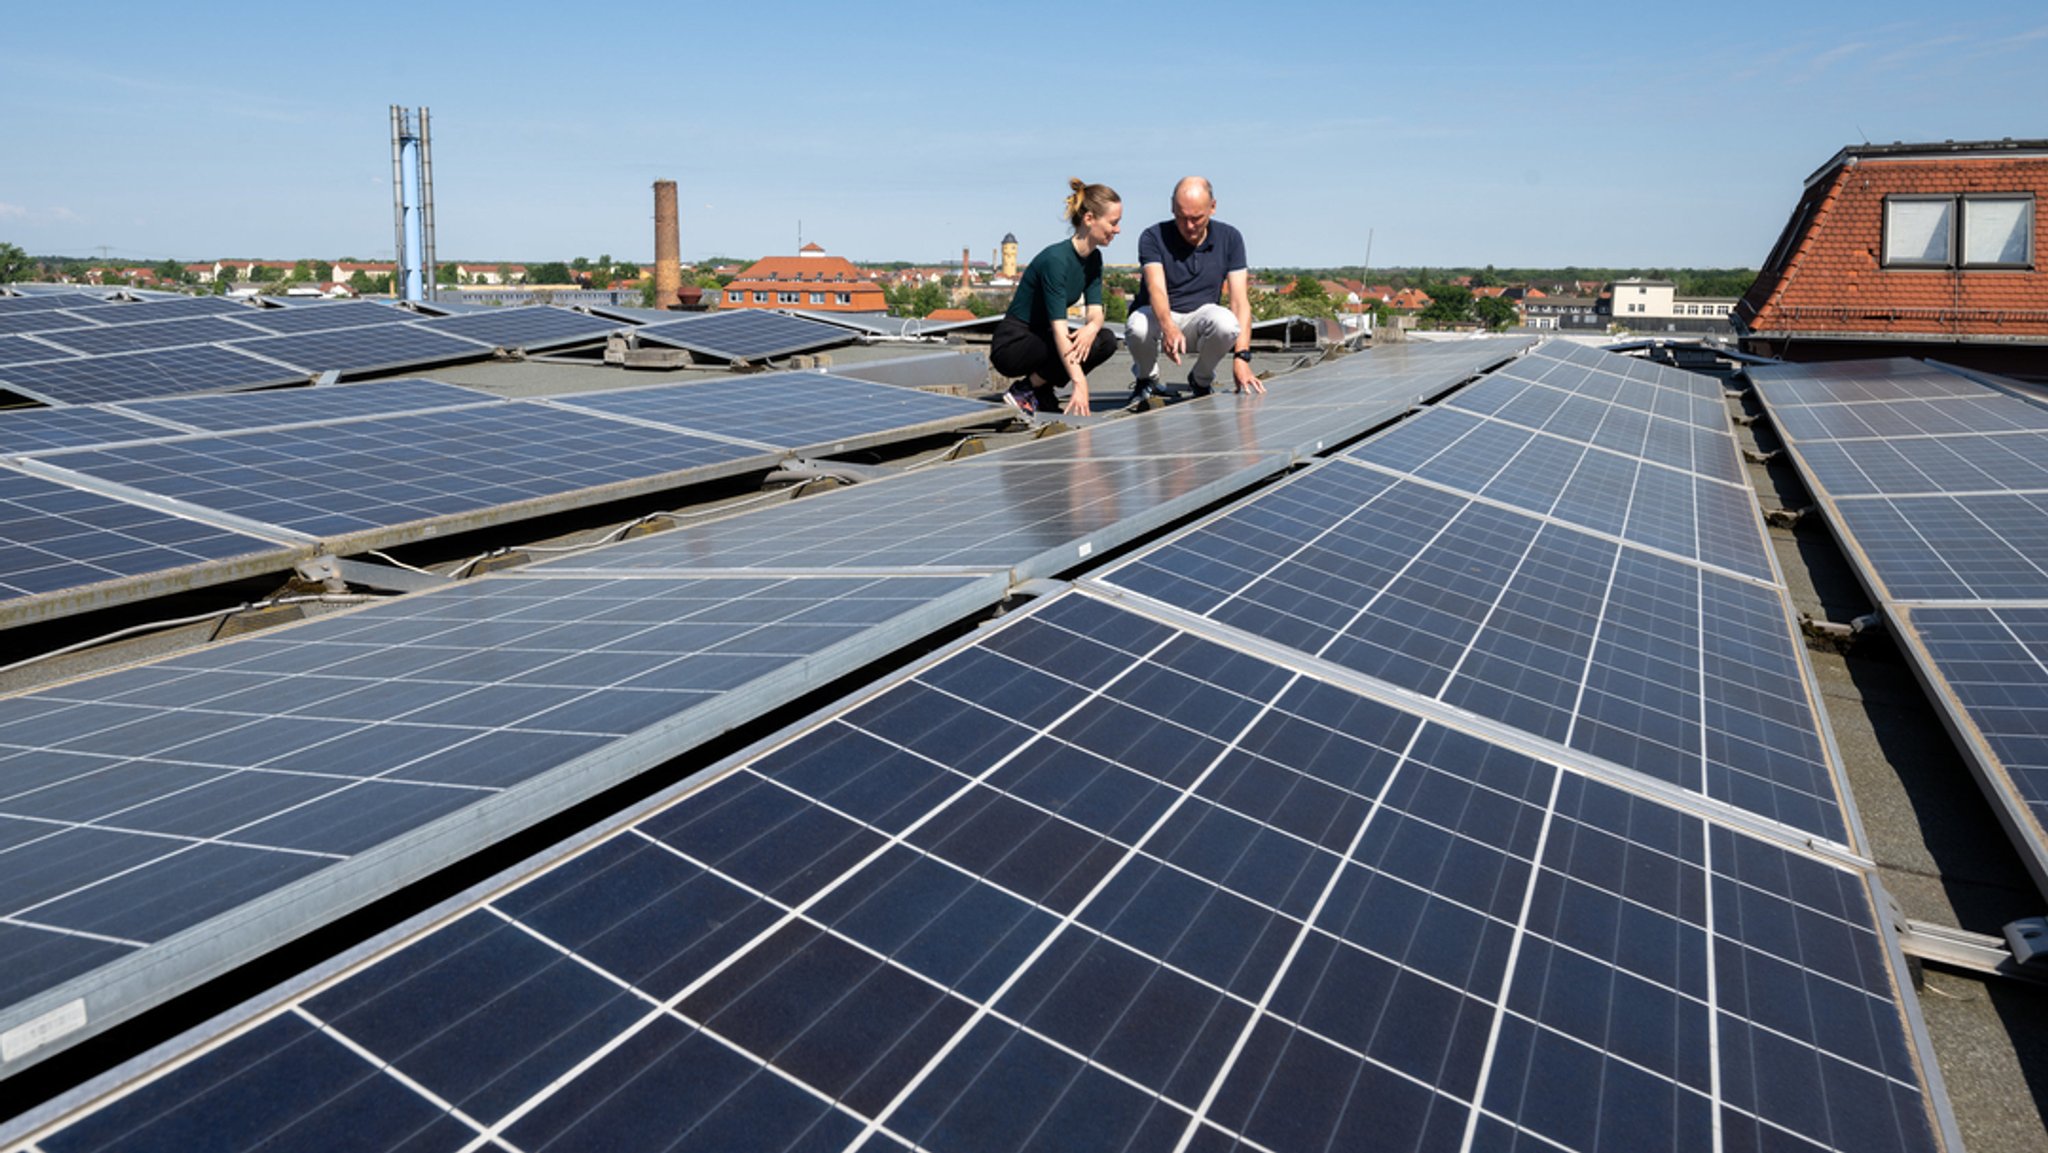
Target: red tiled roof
{"points": [[1825, 274]]}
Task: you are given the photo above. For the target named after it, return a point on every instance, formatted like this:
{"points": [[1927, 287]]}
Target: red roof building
{"points": [[810, 280], [1911, 250]]}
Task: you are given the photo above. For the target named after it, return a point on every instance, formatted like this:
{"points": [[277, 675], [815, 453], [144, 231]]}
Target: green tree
{"points": [[359, 282], [927, 299], [1116, 307], [647, 294], [445, 274], [553, 272], [323, 270], [1449, 304], [626, 271], [14, 264], [981, 305], [170, 272], [302, 271], [264, 274], [1497, 313], [1486, 278]]}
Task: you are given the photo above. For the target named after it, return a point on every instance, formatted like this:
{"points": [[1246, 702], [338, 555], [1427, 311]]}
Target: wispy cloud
{"points": [[12, 211], [1819, 65]]}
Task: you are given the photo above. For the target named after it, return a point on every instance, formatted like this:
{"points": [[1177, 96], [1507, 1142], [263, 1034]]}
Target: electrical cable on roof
{"points": [[155, 626]]}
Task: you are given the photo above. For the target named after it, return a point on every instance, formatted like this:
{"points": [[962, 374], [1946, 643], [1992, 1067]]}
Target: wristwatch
{"points": [[1244, 354]]}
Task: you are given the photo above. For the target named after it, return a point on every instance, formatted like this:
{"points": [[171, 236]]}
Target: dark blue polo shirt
{"points": [[1194, 275]]}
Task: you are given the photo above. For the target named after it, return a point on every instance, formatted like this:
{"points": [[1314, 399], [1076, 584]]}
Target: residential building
{"points": [[1911, 250], [810, 280], [1565, 313], [1642, 306]]}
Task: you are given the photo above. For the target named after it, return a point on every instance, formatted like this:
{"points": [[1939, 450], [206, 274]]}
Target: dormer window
{"points": [[1988, 231]]}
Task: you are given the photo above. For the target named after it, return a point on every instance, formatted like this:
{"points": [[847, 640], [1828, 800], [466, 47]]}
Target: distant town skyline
{"points": [[1598, 135]]}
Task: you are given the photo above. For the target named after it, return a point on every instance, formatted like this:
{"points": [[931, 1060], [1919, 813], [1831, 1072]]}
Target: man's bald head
{"points": [[1194, 201]]}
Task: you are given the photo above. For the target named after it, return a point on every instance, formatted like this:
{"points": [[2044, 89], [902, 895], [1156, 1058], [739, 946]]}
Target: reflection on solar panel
{"points": [[334, 480], [316, 317], [786, 409], [247, 792], [56, 538], [1037, 518], [1938, 486], [160, 372], [1096, 882], [746, 334], [537, 327], [227, 413], [363, 349], [28, 430], [110, 338]]}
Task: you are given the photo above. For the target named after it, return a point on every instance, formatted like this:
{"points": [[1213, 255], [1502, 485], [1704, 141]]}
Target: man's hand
{"points": [[1247, 380], [1172, 340]]}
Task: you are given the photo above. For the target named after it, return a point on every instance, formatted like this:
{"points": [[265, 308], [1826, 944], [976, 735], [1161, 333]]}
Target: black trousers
{"points": [[1017, 349]]}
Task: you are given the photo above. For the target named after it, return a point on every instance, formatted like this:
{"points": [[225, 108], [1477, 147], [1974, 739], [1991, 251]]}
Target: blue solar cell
{"points": [[745, 334], [1487, 937], [787, 409]]}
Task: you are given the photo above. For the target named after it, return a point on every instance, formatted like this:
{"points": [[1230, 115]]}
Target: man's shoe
{"points": [[1198, 390], [1148, 388], [1047, 398], [1020, 398]]}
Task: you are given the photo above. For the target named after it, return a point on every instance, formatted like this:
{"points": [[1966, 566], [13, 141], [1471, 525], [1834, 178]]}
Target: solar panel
{"points": [[58, 539], [1035, 518], [747, 334], [22, 350], [32, 430], [231, 412], [1938, 488], [110, 338], [1686, 674], [160, 308], [1096, 882], [792, 410], [127, 376], [363, 348], [252, 790], [319, 317], [482, 463], [15, 305], [538, 327]]}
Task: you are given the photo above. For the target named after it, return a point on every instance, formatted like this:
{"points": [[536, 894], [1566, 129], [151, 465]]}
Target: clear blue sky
{"points": [[1585, 133]]}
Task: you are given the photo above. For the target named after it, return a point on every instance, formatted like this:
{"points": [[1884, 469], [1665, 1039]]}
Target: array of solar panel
{"points": [[535, 327], [158, 372], [363, 349], [745, 334], [1651, 463], [55, 537], [1939, 487], [1683, 672], [319, 317], [1942, 482], [1096, 882], [23, 350], [228, 412], [186, 798], [101, 339], [382, 472], [784, 409]]}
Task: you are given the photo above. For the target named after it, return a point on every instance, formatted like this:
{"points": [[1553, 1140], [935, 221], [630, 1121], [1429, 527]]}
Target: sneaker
{"points": [[1195, 389], [1147, 388], [1020, 398], [1046, 398]]}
